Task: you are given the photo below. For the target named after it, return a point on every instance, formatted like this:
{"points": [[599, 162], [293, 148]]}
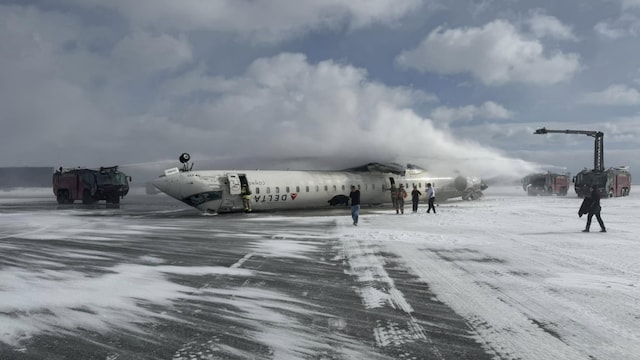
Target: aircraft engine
{"points": [[460, 183]]}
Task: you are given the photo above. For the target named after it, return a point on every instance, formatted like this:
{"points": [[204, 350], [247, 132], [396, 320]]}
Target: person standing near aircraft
{"points": [[415, 197], [246, 198], [594, 209], [394, 194], [355, 204], [431, 196], [400, 195]]}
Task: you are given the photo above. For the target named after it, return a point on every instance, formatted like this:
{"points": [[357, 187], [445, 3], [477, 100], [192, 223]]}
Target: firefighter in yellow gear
{"points": [[246, 198]]}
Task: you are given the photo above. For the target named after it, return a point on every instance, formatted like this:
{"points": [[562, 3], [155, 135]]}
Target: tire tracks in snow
{"points": [[378, 290]]}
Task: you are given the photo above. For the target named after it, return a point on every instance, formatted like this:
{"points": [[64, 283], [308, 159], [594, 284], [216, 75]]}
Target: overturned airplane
{"points": [[219, 191]]}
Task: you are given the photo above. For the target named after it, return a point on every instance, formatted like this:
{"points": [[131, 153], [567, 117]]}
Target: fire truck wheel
{"points": [[86, 197], [113, 199], [61, 197]]}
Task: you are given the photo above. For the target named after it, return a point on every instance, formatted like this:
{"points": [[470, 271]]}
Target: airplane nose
{"points": [[167, 186]]}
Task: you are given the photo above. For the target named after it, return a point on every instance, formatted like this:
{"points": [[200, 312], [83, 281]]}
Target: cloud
{"points": [[496, 54], [260, 21], [617, 94], [89, 97], [543, 25], [286, 107], [147, 53], [488, 110], [627, 25], [630, 4]]}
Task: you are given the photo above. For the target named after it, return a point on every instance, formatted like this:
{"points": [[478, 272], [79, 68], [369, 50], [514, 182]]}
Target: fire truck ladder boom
{"points": [[598, 156]]}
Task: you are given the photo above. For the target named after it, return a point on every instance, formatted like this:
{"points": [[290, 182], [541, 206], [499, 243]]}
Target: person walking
{"points": [[415, 197], [355, 204], [394, 195], [431, 197], [593, 208], [246, 198], [400, 195]]}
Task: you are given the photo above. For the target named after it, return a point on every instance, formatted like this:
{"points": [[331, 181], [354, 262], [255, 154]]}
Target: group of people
{"points": [[590, 205], [397, 199], [398, 195]]}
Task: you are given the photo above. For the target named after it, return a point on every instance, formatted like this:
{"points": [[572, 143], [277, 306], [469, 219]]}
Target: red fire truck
{"points": [[546, 184], [90, 185], [612, 182]]}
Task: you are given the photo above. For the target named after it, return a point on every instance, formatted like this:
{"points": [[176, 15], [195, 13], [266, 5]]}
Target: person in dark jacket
{"points": [[593, 208], [415, 197], [400, 195], [355, 204]]}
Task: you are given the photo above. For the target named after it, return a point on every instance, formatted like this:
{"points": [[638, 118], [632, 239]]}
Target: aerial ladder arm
{"points": [[598, 156]]}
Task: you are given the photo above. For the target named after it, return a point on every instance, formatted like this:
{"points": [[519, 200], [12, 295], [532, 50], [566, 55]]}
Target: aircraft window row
{"points": [[308, 189], [406, 185]]}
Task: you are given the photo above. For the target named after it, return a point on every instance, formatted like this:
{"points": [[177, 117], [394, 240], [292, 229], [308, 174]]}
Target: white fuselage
{"points": [[218, 191]]}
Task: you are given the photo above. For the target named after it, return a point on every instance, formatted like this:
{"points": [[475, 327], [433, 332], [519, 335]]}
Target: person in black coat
{"points": [[415, 197], [355, 204], [591, 206]]}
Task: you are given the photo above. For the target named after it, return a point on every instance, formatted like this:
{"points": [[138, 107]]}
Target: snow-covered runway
{"points": [[507, 277]]}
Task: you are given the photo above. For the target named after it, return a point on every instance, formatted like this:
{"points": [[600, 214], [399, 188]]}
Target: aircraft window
{"points": [[307, 189], [326, 188], [335, 188], [373, 186], [286, 189], [277, 189], [268, 190], [257, 190], [358, 186], [366, 186], [419, 185], [342, 187], [317, 188], [297, 188], [406, 186]]}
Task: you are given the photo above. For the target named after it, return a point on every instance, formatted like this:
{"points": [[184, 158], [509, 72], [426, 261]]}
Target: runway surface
{"points": [[155, 279]]}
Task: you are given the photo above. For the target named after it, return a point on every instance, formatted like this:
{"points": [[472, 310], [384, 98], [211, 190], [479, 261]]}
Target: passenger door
{"points": [[235, 186]]}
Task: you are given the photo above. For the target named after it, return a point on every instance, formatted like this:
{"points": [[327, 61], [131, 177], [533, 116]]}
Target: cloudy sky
{"points": [[450, 85]]}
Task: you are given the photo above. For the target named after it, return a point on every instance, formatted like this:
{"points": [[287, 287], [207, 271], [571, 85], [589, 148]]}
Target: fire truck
{"points": [[546, 184], [90, 185], [612, 182]]}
